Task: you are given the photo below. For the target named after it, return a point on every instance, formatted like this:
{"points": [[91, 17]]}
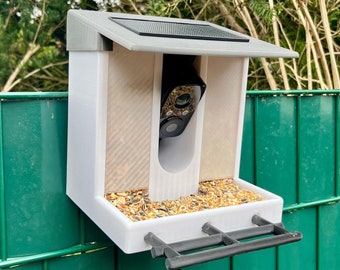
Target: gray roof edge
{"points": [[93, 31]]}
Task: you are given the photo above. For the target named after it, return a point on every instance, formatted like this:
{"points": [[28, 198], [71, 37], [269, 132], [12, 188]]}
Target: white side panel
{"points": [[86, 126], [129, 109], [241, 118], [224, 107]]}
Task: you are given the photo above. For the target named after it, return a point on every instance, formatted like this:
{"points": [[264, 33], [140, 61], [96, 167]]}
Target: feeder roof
{"points": [[95, 31]]}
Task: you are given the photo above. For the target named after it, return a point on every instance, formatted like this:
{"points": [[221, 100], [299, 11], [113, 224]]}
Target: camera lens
{"points": [[183, 100], [170, 127]]}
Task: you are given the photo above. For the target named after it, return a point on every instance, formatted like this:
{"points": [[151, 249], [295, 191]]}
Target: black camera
{"points": [[182, 89]]}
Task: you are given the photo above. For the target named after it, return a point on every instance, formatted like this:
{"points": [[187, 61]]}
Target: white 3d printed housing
{"points": [[115, 78]]}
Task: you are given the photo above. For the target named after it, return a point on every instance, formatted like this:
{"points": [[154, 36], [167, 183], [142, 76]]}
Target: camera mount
{"points": [[182, 90]]}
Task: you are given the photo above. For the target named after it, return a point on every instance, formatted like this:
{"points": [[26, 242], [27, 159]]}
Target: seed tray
{"points": [[136, 205], [129, 235]]}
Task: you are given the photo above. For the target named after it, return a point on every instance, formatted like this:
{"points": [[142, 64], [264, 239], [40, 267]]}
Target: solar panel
{"points": [[156, 28]]}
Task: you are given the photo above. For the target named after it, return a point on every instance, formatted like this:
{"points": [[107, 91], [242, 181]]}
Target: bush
{"points": [[34, 58]]}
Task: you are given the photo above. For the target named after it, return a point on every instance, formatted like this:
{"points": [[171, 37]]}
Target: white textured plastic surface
{"points": [[223, 117], [173, 168], [87, 117], [134, 157], [129, 111]]}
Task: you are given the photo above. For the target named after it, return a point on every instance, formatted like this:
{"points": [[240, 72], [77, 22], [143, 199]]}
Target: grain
{"points": [[136, 205]]}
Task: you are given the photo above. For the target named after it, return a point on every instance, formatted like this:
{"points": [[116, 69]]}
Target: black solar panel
{"points": [[176, 30]]}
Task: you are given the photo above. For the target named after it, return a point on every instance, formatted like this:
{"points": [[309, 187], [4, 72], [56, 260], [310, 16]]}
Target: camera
{"points": [[182, 89]]}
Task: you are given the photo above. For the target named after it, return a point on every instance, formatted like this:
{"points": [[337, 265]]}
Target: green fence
{"points": [[291, 146]]}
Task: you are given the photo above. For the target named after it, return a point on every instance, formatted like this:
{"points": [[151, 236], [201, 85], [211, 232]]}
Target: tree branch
{"points": [[328, 34], [247, 19], [36, 71], [33, 48], [277, 42]]}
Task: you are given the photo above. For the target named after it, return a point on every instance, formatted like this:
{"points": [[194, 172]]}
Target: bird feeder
{"points": [[158, 104]]}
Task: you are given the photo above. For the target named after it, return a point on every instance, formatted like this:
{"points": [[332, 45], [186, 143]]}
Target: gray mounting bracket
{"points": [[229, 243]]}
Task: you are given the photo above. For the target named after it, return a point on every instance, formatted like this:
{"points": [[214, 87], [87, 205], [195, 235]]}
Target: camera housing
{"points": [[182, 90]]}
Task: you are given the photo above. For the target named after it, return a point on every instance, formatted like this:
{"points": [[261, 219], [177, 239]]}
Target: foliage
{"points": [[33, 53], [32, 50], [310, 27]]}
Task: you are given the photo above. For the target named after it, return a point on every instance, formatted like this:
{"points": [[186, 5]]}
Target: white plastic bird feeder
{"points": [[124, 132]]}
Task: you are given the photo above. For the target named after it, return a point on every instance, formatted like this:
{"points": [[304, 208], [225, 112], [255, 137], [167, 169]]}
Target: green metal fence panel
{"points": [[295, 139], [34, 142], [100, 259], [316, 147], [143, 260], [274, 137], [38, 222], [248, 170], [337, 146], [290, 147], [328, 236], [302, 255], [261, 259]]}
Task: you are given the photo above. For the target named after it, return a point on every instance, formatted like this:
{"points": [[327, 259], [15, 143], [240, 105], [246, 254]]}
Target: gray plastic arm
{"points": [[229, 244]]}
